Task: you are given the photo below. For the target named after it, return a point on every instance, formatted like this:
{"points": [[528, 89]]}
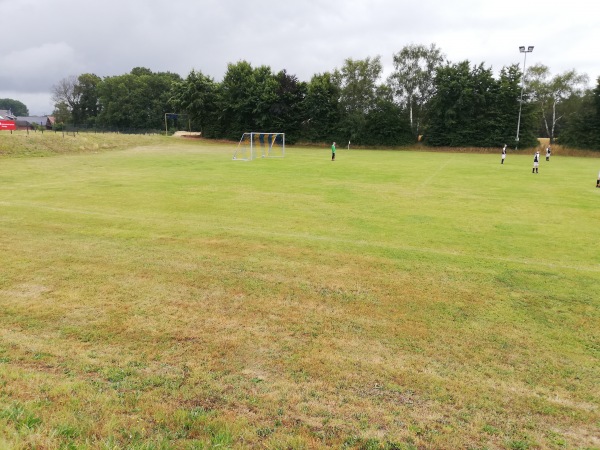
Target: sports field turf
{"points": [[166, 296]]}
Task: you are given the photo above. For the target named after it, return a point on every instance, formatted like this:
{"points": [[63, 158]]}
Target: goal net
{"points": [[177, 122], [260, 145]]}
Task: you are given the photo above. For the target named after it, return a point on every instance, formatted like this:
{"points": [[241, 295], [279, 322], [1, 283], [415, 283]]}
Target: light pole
{"points": [[522, 50]]}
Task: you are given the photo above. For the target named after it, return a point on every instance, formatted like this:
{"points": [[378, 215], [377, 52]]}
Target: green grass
{"points": [[23, 143], [166, 296]]}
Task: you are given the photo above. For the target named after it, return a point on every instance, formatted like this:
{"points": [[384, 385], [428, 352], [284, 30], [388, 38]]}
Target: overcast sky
{"points": [[44, 42]]}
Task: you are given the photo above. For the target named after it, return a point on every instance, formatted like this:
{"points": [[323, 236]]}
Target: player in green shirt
{"points": [[333, 152]]}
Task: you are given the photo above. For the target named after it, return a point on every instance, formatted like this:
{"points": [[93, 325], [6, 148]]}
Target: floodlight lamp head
{"points": [[530, 48], [522, 48]]}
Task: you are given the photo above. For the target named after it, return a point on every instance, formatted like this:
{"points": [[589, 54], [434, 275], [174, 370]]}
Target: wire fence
{"points": [[69, 129]]}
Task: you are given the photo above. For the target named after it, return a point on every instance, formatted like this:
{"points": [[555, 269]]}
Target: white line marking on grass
{"points": [[438, 170]]}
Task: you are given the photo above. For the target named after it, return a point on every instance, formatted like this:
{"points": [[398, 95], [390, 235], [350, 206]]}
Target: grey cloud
{"points": [[304, 37]]}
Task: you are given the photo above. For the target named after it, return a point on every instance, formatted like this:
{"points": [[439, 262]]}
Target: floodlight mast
{"points": [[522, 50]]}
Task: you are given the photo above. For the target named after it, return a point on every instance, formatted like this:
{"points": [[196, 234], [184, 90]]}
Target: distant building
{"points": [[7, 115], [7, 120], [31, 122], [25, 123]]}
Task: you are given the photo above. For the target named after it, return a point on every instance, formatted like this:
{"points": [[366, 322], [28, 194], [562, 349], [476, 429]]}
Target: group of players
{"points": [[536, 161], [536, 158]]}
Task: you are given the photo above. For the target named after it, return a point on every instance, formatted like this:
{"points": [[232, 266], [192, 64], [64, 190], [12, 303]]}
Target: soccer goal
{"points": [[260, 145], [177, 122]]}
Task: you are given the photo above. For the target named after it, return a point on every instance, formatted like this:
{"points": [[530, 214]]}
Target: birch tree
{"points": [[413, 80], [550, 93]]}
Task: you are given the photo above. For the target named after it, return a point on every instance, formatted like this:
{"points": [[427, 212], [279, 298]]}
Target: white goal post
{"points": [[260, 145]]}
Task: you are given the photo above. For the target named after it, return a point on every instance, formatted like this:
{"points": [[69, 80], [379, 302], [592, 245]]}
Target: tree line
{"points": [[425, 98]]}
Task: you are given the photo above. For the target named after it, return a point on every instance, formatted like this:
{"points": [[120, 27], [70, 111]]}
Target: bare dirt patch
{"points": [[187, 134]]}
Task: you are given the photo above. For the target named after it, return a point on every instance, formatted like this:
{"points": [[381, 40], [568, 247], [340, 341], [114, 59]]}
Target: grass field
{"points": [[165, 296]]}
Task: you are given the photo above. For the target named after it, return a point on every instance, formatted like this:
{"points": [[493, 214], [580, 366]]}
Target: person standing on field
{"points": [[503, 154], [333, 152], [536, 162], [548, 153], [598, 181]]}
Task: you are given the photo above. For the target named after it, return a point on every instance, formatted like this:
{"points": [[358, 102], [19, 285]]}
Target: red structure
{"points": [[7, 125]]}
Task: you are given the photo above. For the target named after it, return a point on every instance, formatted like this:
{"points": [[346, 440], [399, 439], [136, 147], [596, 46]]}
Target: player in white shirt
{"points": [[536, 162]]}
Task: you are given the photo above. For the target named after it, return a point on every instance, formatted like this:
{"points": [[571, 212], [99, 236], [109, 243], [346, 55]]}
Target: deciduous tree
{"points": [[321, 109], [14, 106], [61, 113], [87, 104], [386, 122], [136, 100], [197, 96], [470, 108], [63, 93], [583, 128], [78, 96], [287, 110], [413, 80], [550, 93], [358, 82], [247, 95]]}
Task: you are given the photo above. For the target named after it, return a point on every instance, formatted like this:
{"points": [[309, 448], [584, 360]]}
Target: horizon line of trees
{"points": [[425, 98]]}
